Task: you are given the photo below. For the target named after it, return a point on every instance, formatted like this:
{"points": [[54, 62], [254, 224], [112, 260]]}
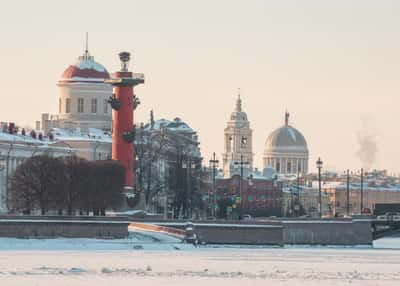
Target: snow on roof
{"points": [[176, 125], [357, 186], [93, 134], [19, 138], [89, 63], [85, 69]]}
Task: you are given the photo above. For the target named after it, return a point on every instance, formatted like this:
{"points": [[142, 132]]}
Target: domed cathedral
{"points": [[286, 150], [238, 142], [83, 96]]}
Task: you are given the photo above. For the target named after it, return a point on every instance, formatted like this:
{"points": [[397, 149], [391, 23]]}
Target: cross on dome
{"points": [[287, 118]]}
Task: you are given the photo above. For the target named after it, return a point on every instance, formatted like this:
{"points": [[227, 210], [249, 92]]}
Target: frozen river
{"points": [[161, 260]]}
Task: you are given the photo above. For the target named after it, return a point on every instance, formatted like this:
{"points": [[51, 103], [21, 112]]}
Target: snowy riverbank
{"points": [[202, 266], [151, 258]]}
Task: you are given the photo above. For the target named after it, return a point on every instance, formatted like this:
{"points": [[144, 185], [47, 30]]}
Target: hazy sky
{"points": [[333, 64]]}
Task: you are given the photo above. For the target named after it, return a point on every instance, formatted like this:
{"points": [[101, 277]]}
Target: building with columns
{"points": [[82, 101], [286, 150], [237, 142]]}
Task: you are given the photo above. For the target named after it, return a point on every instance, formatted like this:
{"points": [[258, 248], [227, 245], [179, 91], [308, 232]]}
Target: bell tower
{"points": [[238, 141]]}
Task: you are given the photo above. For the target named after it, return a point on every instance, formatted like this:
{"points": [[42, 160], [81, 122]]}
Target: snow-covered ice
{"points": [[149, 258]]}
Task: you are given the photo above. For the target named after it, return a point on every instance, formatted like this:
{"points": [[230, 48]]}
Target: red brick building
{"points": [[261, 197]]}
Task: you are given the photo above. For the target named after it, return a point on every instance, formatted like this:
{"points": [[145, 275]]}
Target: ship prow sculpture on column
{"points": [[124, 102]]}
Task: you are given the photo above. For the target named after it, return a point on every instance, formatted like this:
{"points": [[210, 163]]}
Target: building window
{"points": [[278, 167], [68, 105], [105, 106], [289, 167], [80, 105], [94, 105]]}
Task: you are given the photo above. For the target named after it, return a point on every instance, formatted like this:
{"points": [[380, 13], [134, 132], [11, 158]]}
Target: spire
{"points": [[86, 55], [287, 118], [152, 119], [238, 102], [87, 43]]}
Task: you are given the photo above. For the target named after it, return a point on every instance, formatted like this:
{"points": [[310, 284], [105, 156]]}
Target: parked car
{"points": [[366, 211], [382, 217], [246, 217], [389, 216], [396, 217]]}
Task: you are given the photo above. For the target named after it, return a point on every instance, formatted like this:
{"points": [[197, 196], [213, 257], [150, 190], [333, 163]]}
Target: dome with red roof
{"points": [[85, 69]]}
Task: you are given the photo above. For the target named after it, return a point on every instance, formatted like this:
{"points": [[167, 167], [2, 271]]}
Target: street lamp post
{"points": [[2, 194], [241, 163], [214, 163], [362, 191], [348, 193], [319, 166], [298, 189]]}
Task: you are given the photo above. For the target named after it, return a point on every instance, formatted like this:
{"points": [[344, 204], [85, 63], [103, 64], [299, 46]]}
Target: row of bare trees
{"points": [[67, 185], [168, 166]]}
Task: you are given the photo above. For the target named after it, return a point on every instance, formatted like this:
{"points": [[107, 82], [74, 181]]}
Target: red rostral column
{"points": [[124, 103]]}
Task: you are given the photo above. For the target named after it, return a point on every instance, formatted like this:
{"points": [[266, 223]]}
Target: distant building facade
{"points": [[372, 195], [14, 150], [168, 167], [260, 196]]}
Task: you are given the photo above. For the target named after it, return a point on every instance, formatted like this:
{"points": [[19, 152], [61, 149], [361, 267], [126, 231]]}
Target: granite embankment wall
{"points": [[327, 232], [268, 234], [281, 232], [63, 226]]}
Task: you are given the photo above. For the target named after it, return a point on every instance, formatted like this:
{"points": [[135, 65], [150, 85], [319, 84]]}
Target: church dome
{"points": [[286, 150], [85, 69], [285, 136]]}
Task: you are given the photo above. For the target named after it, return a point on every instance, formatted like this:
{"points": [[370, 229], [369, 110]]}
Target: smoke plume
{"points": [[368, 147]]}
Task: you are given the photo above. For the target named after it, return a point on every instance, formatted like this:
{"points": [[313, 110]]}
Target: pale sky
{"points": [[333, 64]]}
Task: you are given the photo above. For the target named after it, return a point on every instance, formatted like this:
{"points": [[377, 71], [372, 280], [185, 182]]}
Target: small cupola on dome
{"points": [[238, 114]]}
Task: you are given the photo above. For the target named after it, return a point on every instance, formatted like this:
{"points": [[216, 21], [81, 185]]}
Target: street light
{"points": [[319, 166], [362, 191], [241, 163], [213, 164], [348, 193]]}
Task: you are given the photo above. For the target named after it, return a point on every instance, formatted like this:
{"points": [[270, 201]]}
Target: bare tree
{"points": [[39, 182], [106, 188], [78, 179], [150, 147]]}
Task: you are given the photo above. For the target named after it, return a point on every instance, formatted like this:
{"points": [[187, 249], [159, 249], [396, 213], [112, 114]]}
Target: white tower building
{"points": [[83, 97], [238, 142]]}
